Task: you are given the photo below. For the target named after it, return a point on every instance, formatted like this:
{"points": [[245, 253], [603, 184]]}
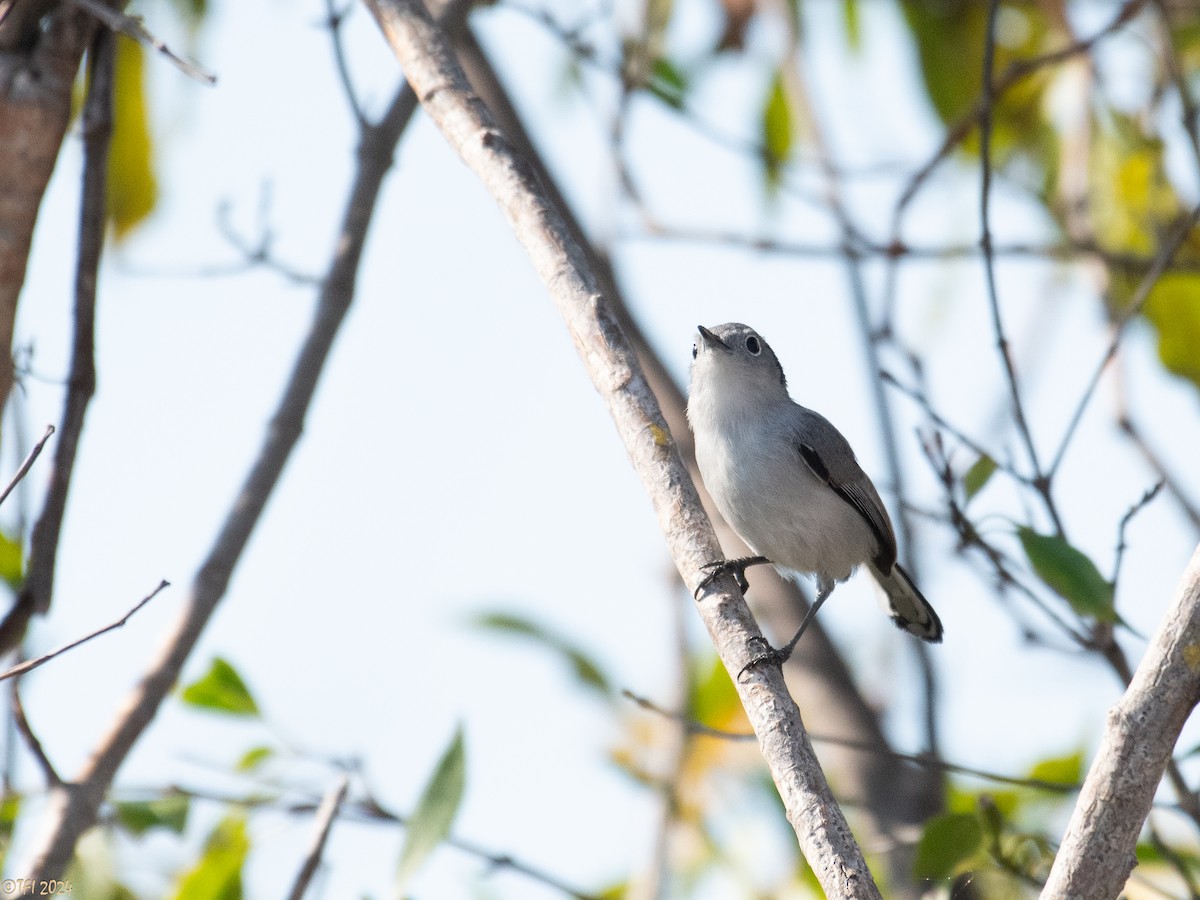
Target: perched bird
{"points": [[788, 483]]}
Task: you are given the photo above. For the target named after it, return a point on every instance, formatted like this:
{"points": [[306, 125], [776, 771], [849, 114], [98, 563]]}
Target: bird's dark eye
{"points": [[753, 345], [695, 350]]}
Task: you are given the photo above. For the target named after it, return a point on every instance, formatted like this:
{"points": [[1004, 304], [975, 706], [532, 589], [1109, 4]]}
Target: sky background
{"points": [[457, 461]]}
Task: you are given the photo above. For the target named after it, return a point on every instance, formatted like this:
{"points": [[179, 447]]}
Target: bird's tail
{"points": [[906, 605]]}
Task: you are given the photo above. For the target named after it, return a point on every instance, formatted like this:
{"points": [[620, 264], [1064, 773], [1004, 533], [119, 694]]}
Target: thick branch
{"points": [[1097, 853], [470, 128], [37, 71]]}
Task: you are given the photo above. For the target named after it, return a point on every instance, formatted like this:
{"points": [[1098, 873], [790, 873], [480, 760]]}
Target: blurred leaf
{"points": [[430, 822], [168, 812], [1069, 573], [221, 689], [217, 875], [1173, 308], [193, 12], [10, 807], [778, 131], [1067, 770], [713, 699], [586, 671], [977, 476], [132, 186], [950, 37], [92, 870], [253, 758], [668, 84], [12, 562], [945, 842], [852, 23]]}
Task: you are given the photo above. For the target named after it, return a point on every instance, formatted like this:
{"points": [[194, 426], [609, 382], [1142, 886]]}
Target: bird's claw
{"points": [[765, 654], [715, 570]]}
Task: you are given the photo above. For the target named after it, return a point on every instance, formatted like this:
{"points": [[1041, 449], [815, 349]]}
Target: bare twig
{"points": [[36, 593], [989, 262], [31, 742], [32, 664], [1137, 507], [1173, 484], [1097, 852], [326, 813], [923, 760], [369, 810], [1135, 305], [133, 28], [334, 19], [429, 65], [28, 463]]}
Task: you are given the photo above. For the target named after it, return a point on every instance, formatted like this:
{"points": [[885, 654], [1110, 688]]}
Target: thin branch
{"points": [[1161, 260], [959, 435], [1137, 507], [995, 88], [1173, 484], [1097, 852], [370, 811], [334, 19], [28, 463], [985, 243], [31, 742], [133, 28], [920, 759], [30, 665], [429, 65], [326, 813], [38, 589], [75, 810]]}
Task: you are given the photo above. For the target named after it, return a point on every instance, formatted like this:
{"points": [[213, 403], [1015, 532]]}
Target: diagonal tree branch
{"points": [[40, 50], [72, 807], [1097, 852], [470, 128], [893, 795]]}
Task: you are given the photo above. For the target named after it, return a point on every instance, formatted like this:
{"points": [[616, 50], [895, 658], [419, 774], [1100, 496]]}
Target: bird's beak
{"points": [[711, 339]]}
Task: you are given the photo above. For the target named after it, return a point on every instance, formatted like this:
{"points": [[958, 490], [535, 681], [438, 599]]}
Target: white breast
{"points": [[775, 503]]}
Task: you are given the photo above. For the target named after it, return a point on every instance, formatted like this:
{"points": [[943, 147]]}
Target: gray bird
{"points": [[788, 483]]}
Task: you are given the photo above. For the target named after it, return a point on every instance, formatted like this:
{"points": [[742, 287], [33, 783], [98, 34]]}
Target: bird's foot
{"points": [[735, 567], [764, 654]]}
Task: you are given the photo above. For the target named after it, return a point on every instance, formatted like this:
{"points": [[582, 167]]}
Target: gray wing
{"points": [[831, 459]]}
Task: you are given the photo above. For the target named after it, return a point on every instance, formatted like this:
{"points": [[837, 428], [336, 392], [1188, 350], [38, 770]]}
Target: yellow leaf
{"points": [[132, 187]]}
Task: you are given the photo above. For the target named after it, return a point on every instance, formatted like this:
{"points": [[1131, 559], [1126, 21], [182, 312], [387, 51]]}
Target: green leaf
{"points": [[253, 758], [221, 689], [431, 820], [217, 875], [1069, 573], [1065, 770], [10, 807], [132, 186], [586, 671], [778, 131], [712, 700], [977, 476], [168, 812], [668, 84], [1173, 308], [947, 841], [12, 562], [853, 24]]}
